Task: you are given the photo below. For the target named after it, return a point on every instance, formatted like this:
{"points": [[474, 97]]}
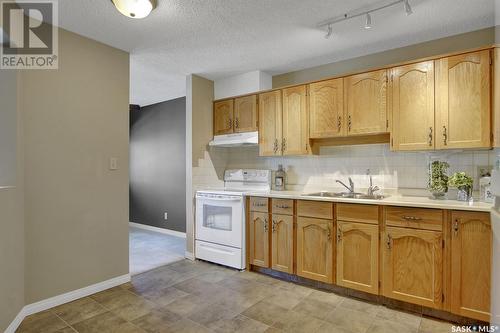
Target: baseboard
{"points": [[65, 298], [189, 255], [156, 229]]}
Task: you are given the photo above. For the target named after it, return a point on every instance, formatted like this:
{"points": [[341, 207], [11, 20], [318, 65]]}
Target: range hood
{"points": [[235, 140]]}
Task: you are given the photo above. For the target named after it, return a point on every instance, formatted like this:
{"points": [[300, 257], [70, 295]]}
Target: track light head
{"points": [[408, 9], [329, 31], [368, 24]]}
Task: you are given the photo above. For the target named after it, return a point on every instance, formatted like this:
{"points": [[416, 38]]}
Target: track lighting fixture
{"points": [[329, 31], [408, 8], [368, 23]]}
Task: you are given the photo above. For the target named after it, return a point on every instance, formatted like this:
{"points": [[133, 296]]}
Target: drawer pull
{"points": [[411, 218], [282, 206], [259, 205]]}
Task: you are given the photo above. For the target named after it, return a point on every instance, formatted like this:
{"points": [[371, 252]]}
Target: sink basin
{"points": [[355, 195]]}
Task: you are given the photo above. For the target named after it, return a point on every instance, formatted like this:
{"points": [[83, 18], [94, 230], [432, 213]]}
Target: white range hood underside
{"points": [[235, 140]]}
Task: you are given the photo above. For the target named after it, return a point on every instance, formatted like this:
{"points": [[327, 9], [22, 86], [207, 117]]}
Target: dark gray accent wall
{"points": [[158, 165]]}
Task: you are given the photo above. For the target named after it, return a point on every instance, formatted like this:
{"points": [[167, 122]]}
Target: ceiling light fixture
{"points": [[329, 31], [135, 8], [347, 16], [408, 8], [368, 24]]}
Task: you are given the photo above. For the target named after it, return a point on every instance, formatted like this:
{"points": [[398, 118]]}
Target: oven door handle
{"points": [[219, 199]]}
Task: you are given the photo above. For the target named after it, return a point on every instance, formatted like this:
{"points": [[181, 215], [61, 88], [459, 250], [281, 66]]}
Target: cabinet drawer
{"points": [[357, 213], [282, 206], [417, 218], [322, 210], [258, 204]]}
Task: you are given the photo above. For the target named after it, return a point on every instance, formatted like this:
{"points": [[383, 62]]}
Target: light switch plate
{"points": [[166, 216], [113, 163]]}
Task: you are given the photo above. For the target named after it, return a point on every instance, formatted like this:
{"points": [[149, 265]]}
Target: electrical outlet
{"points": [[113, 163], [166, 216], [483, 170]]}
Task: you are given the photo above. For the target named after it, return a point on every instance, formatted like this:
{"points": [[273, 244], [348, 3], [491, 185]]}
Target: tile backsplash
{"points": [[390, 170]]}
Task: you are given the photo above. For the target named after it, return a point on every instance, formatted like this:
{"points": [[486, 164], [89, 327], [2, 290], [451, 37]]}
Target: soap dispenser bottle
{"points": [[279, 179]]}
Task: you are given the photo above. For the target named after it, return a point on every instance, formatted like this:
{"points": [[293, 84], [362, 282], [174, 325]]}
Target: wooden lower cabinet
{"points": [[357, 256], [315, 249], [259, 239], [413, 266], [471, 247], [282, 243]]}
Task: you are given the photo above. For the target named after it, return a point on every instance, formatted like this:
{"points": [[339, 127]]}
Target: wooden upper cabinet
{"points": [[326, 109], [315, 249], [282, 243], [365, 103], [295, 121], [259, 239], [463, 110], [496, 96], [357, 256], [270, 120], [413, 266], [223, 117], [471, 247], [412, 94], [245, 114]]}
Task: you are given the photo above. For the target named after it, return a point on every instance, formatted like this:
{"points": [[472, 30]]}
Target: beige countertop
{"points": [[391, 200]]}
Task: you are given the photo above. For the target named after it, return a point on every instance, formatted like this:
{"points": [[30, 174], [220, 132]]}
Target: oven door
{"points": [[219, 219]]}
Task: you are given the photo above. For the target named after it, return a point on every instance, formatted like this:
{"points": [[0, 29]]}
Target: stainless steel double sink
{"points": [[348, 195]]}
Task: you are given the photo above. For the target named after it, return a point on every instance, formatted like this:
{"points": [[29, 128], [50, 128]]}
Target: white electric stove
{"points": [[220, 217]]}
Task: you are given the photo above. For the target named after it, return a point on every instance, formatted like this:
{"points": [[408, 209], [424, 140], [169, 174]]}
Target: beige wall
{"points": [[76, 209], [439, 46], [199, 98], [12, 222]]}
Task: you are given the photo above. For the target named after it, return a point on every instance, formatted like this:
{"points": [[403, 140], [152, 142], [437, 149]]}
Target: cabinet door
{"points": [[295, 121], [463, 111], [245, 114], [315, 249], [326, 109], [259, 239], [471, 246], [413, 266], [270, 115], [412, 91], [282, 243], [223, 117], [357, 256], [366, 103]]}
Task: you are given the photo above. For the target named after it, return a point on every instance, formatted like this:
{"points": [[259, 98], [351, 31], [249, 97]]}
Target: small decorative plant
{"points": [[438, 180], [463, 183]]}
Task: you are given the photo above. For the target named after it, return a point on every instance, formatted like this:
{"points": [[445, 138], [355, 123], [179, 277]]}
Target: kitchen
{"points": [[253, 166]]}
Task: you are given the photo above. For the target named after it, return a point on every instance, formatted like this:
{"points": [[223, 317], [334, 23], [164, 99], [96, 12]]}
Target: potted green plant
{"points": [[438, 179], [463, 183]]}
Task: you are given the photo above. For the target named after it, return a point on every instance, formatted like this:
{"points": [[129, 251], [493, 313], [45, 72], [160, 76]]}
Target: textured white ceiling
{"points": [[218, 38]]}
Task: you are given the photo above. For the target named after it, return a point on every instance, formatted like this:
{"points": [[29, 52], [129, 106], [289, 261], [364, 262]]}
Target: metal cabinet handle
{"points": [[445, 136], [274, 226], [389, 241], [275, 145], [411, 218], [282, 206], [237, 123], [349, 123], [430, 136], [259, 204], [283, 145], [329, 234], [339, 123], [455, 226], [339, 235], [265, 225]]}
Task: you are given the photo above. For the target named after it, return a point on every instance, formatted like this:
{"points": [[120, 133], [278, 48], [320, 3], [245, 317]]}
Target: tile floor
{"points": [[149, 250], [191, 296]]}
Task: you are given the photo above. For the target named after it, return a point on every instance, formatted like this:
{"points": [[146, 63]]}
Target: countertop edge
{"points": [[389, 201]]}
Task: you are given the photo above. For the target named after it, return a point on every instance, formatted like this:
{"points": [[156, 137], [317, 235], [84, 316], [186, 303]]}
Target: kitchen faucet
{"points": [[351, 183], [372, 189]]}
